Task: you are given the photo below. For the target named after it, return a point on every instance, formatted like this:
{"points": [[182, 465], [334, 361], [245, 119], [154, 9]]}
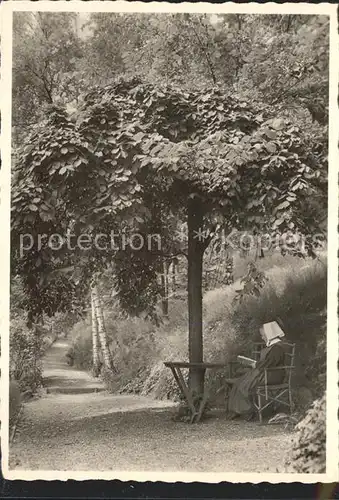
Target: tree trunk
{"points": [[174, 285], [164, 288], [195, 258], [288, 24], [102, 329], [95, 339]]}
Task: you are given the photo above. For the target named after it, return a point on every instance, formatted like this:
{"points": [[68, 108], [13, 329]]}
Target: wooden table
{"points": [[176, 367]]}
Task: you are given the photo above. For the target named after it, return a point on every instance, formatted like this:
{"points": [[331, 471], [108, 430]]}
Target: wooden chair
{"points": [[267, 394]]}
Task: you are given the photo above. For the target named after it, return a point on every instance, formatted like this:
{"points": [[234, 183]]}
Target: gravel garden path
{"points": [[77, 426]]}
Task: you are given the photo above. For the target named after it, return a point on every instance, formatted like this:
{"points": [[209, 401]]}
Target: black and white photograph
{"points": [[169, 199]]}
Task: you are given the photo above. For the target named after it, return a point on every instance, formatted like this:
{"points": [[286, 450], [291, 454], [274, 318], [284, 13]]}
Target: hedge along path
{"points": [[82, 427]]}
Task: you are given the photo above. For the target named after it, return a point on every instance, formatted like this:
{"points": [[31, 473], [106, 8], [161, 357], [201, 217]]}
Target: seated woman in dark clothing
{"points": [[273, 355]]}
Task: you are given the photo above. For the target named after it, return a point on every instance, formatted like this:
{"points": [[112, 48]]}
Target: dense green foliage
{"points": [[209, 145], [308, 453], [27, 345], [282, 58], [25, 355], [186, 134], [15, 401], [46, 50], [273, 58]]}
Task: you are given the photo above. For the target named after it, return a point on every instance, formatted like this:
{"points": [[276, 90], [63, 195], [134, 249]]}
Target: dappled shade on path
{"points": [[104, 432], [99, 431]]}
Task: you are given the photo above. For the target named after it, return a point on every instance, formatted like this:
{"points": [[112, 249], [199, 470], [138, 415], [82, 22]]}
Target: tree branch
{"points": [[206, 53], [41, 77]]}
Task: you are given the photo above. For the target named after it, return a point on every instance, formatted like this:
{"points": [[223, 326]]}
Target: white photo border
{"points": [[6, 11]]}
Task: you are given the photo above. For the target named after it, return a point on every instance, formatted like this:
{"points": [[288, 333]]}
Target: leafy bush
{"points": [[134, 346], [14, 401], [57, 326], [295, 293], [26, 348], [27, 345], [220, 335], [161, 384], [80, 352], [138, 348], [272, 260], [299, 298], [308, 447]]}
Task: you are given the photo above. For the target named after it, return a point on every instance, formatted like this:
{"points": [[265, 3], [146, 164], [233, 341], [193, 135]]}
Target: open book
{"points": [[247, 361]]}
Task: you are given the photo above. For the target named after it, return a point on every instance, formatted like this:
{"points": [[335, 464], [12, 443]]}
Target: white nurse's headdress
{"points": [[272, 331]]}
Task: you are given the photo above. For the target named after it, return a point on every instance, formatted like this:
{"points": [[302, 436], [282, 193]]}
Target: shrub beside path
{"points": [[77, 425]]}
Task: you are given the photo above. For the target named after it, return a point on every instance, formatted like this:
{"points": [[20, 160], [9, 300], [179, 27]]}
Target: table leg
{"points": [[203, 401], [202, 406], [184, 389]]}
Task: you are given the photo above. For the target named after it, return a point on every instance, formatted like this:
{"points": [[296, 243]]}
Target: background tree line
{"points": [[272, 58]]}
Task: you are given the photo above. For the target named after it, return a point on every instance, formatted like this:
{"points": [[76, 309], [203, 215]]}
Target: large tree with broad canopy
{"points": [[220, 161]]}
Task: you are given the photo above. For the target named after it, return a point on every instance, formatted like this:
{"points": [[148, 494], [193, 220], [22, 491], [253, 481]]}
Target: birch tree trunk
{"points": [[164, 288], [174, 284], [107, 358], [95, 339]]}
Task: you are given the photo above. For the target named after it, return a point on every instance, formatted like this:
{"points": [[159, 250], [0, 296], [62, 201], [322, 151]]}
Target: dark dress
{"points": [[242, 388]]}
